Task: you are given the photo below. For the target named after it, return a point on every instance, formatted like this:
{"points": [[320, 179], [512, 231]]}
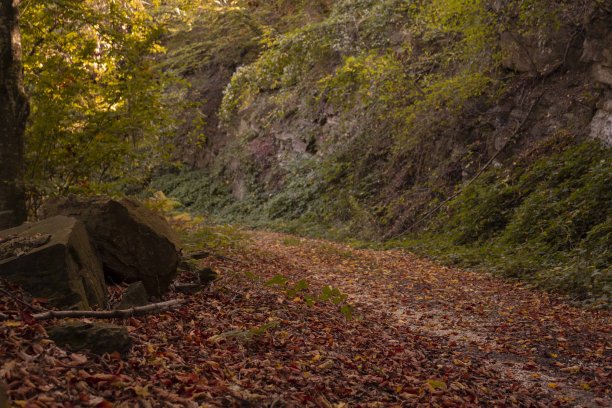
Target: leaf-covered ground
{"points": [[420, 335]]}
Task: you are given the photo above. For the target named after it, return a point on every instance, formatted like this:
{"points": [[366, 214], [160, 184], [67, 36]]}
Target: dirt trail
{"points": [[522, 337], [421, 335]]}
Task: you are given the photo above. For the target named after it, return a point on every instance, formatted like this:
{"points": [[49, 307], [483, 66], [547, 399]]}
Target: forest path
{"points": [[420, 335], [437, 334]]}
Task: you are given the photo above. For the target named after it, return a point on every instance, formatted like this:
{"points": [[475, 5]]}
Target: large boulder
{"points": [[134, 243], [99, 338], [54, 259]]}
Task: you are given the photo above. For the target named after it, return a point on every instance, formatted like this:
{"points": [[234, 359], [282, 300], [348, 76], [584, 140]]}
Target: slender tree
{"points": [[13, 115]]}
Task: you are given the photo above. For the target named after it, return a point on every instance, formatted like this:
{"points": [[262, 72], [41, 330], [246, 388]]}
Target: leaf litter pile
{"points": [[299, 322]]}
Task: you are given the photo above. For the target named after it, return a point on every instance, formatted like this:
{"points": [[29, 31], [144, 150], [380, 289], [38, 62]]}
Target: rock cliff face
{"points": [[601, 126], [597, 52], [363, 121], [290, 128]]}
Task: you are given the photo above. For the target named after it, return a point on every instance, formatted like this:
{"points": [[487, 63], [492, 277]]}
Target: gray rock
{"points": [[597, 49], [134, 243], [533, 53], [206, 276], [602, 73], [54, 259], [99, 338], [601, 126], [135, 295], [189, 288], [15, 245]]}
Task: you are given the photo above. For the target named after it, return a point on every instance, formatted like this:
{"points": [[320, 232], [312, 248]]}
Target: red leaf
{"points": [[28, 318]]}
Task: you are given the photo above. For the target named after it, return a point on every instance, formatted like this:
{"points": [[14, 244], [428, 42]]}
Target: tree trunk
{"points": [[13, 114]]}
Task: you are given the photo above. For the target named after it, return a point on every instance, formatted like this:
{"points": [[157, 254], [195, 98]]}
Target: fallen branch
{"points": [[110, 314], [21, 302]]}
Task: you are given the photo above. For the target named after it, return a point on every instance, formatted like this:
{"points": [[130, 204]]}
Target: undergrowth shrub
{"points": [[549, 222]]}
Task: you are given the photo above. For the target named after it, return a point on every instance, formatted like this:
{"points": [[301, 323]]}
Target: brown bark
{"points": [[13, 114]]}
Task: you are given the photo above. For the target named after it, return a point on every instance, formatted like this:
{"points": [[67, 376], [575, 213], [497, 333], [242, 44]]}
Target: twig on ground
{"points": [[22, 302], [110, 314]]}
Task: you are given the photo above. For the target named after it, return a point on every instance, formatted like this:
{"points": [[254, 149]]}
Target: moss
{"points": [[483, 210]]}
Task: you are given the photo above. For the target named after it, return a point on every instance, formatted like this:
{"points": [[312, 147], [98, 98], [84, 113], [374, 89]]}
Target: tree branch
{"points": [[22, 302], [110, 314]]}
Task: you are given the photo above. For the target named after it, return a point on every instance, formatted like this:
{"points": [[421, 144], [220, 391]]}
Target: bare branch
{"points": [[110, 314], [22, 302]]}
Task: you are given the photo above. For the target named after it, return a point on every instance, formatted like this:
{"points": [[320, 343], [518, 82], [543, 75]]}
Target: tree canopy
{"points": [[101, 116]]}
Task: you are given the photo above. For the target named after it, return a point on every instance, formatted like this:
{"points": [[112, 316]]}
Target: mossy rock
{"points": [[135, 295], [134, 243], [99, 338]]}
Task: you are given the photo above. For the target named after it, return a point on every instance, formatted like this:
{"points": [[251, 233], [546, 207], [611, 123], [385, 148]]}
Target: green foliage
{"points": [[197, 190], [100, 114], [332, 294], [278, 280], [216, 238], [392, 92], [368, 79], [548, 221], [197, 233], [280, 66], [383, 69], [483, 212], [300, 291], [291, 241], [311, 49]]}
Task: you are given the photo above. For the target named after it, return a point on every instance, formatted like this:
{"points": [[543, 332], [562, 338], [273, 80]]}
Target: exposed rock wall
{"points": [[601, 126], [293, 132]]}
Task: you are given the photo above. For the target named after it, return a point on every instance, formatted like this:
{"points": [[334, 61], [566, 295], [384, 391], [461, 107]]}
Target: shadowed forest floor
{"points": [[420, 335]]}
